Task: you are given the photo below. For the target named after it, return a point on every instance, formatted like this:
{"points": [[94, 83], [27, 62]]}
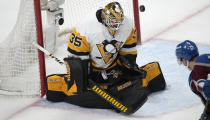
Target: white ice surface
{"points": [[162, 24]]}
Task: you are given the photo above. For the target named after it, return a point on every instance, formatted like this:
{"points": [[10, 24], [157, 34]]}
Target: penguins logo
{"points": [[109, 50]]}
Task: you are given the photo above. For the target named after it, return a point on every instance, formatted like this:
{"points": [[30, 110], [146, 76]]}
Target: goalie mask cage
{"points": [[22, 66]]}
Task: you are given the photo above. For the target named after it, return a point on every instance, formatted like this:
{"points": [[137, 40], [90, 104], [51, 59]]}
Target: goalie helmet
{"points": [[113, 16], [186, 50]]}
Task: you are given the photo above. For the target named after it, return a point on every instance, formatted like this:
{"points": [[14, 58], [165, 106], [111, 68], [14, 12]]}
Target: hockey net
{"points": [[19, 63], [22, 68]]}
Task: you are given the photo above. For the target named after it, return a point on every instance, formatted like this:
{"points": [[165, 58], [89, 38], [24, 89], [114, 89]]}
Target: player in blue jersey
{"points": [[199, 78]]}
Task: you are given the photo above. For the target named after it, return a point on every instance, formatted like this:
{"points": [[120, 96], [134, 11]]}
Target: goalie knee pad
{"points": [[154, 79], [56, 87], [72, 83], [61, 83]]}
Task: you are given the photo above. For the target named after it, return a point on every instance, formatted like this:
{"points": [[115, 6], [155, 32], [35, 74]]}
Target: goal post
{"points": [[22, 66], [39, 33], [137, 19]]}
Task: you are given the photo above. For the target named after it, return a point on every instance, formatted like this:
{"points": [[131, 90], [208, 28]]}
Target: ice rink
{"points": [[163, 25]]}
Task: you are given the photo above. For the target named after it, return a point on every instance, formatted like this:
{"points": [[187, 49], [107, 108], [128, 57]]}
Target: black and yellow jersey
{"points": [[91, 40]]}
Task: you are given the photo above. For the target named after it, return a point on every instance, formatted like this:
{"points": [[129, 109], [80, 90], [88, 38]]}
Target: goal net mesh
{"points": [[19, 67]]}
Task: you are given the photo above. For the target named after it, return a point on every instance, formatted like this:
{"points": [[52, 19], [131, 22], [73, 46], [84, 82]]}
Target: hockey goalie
{"points": [[102, 52]]}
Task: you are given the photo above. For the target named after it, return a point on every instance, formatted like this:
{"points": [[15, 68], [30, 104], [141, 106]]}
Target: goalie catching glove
{"points": [[132, 67], [150, 74]]}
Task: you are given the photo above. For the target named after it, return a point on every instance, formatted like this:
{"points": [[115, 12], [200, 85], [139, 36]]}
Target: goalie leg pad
{"points": [[56, 82], [72, 83], [62, 83], [154, 80], [77, 70], [56, 87], [59, 89], [134, 96]]}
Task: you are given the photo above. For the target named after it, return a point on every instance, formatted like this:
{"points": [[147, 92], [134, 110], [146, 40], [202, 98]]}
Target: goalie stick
{"points": [[47, 53], [98, 90]]}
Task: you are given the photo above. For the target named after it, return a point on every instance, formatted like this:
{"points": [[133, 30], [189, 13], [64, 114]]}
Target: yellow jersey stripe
{"points": [[126, 53], [132, 39]]}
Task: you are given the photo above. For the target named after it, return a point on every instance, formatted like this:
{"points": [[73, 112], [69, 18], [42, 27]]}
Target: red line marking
{"points": [[23, 109], [174, 40], [178, 23]]}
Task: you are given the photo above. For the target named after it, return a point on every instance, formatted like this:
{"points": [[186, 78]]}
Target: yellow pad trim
{"points": [[57, 83], [152, 70]]}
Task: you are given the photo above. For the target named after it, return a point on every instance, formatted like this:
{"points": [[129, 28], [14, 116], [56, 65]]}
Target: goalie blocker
{"points": [[74, 88]]}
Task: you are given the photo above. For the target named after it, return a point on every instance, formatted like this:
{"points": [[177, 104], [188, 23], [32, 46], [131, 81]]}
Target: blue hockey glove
{"points": [[205, 117], [205, 84], [206, 89]]}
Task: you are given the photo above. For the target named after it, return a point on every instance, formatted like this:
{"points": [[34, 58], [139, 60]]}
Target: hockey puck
{"points": [[141, 8]]}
